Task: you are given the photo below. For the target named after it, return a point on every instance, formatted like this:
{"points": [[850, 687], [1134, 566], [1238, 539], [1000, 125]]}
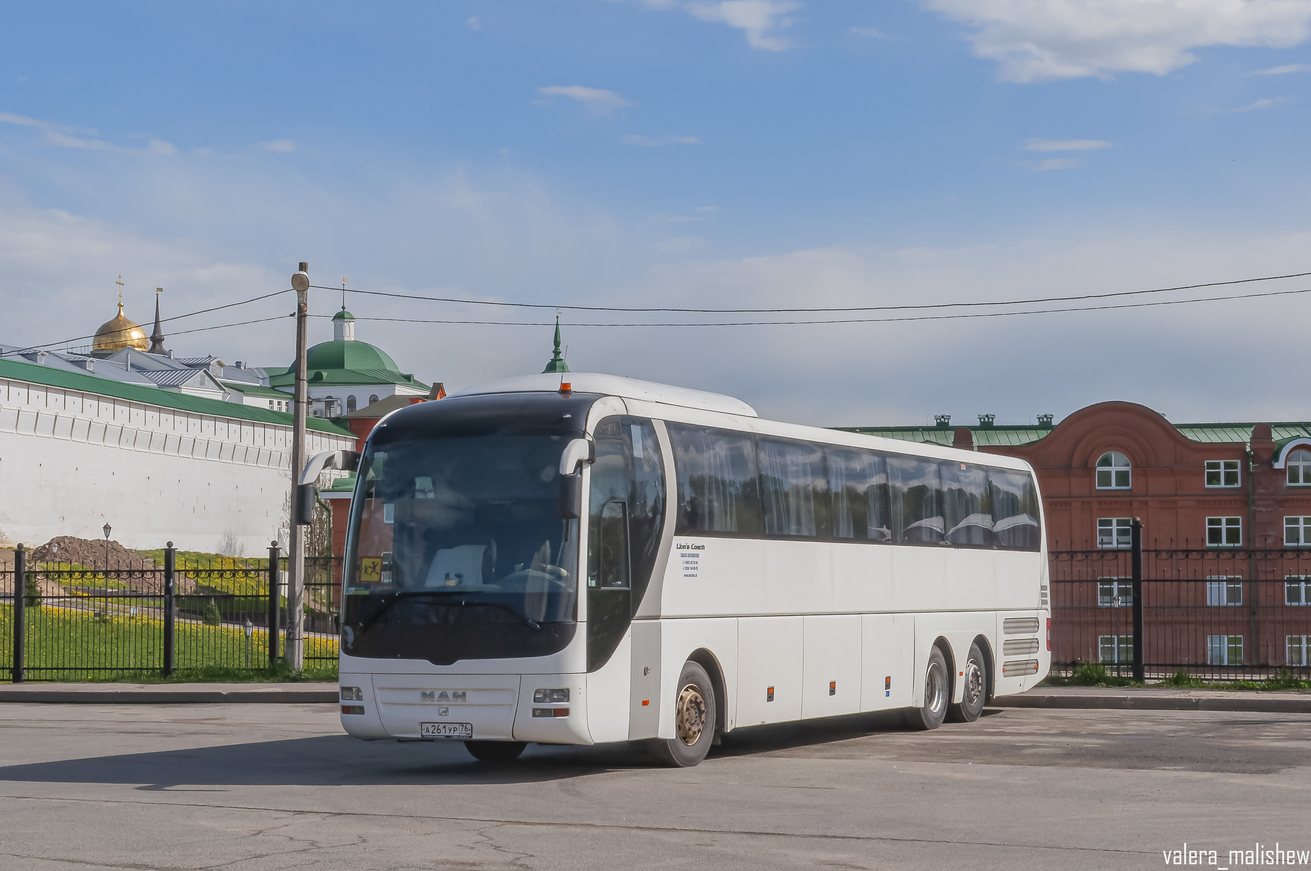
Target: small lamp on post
{"points": [[250, 629], [107, 529]]}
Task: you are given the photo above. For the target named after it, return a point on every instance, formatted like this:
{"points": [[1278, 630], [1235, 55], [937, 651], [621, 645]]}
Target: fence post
{"points": [[170, 569], [20, 613], [1136, 551], [275, 618]]}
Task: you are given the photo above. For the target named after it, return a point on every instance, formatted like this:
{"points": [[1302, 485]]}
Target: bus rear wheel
{"points": [[694, 721], [495, 752], [974, 692], [937, 694]]}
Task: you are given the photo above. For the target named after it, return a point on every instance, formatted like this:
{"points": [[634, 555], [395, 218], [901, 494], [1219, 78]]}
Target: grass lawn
{"points": [[72, 644]]}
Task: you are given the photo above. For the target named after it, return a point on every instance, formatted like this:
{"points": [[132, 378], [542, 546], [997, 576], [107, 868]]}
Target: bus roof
{"points": [[614, 385]]}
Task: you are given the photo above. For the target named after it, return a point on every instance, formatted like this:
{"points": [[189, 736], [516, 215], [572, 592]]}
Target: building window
{"points": [[1224, 591], [1299, 468], [350, 403], [373, 397], [1114, 532], [1222, 473], [1297, 590], [270, 403], [1297, 531], [1224, 650], [1299, 650], [1114, 593], [1224, 532], [1113, 472], [1115, 649]]}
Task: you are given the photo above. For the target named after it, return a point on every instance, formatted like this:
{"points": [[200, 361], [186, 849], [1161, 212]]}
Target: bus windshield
{"points": [[457, 549]]}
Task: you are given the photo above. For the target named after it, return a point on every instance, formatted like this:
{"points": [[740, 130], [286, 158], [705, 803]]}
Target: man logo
{"points": [[427, 696], [459, 696]]}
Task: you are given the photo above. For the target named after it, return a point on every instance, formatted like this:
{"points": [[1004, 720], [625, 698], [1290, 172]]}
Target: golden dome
{"points": [[120, 333]]}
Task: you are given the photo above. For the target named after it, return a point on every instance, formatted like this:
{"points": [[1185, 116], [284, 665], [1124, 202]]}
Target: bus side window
{"points": [[613, 545], [858, 484], [1014, 510], [793, 489], [717, 481], [915, 499], [966, 504]]}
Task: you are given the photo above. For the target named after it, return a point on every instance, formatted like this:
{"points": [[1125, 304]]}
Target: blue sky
{"points": [[741, 153]]}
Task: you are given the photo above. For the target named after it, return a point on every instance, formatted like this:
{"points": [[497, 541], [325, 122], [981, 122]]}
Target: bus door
{"points": [[625, 514]]}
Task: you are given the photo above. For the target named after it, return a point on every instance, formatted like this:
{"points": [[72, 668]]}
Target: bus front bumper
{"points": [[485, 707]]}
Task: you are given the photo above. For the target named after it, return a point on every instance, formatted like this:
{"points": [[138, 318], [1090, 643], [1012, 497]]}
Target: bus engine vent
{"points": [[1019, 646], [1020, 626], [1018, 667]]}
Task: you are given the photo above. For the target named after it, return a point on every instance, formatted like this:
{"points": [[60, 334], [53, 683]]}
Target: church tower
{"points": [[557, 363]]}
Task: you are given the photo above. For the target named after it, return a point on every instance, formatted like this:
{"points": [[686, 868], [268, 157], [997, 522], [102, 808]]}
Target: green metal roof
{"points": [[990, 436], [34, 373], [256, 390], [346, 363]]}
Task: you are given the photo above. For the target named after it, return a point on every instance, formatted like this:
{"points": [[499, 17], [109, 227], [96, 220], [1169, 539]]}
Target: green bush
{"points": [[31, 591], [211, 617]]}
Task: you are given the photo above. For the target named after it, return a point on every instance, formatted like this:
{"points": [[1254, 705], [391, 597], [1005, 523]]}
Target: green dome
{"points": [[349, 355], [343, 315]]}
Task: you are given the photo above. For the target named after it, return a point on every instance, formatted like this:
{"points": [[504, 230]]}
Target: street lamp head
{"points": [[300, 282], [108, 529], [250, 627]]}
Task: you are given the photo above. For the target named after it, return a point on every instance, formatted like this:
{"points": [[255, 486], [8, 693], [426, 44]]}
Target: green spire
{"points": [[557, 363]]}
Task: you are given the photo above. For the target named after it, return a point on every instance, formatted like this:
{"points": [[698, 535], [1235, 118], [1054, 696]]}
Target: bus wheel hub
{"points": [[690, 715]]}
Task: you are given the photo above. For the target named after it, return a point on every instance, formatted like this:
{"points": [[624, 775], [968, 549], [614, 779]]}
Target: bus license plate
{"points": [[446, 730]]}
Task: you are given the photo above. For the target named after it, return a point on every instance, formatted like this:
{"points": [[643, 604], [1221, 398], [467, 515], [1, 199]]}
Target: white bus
{"points": [[603, 559]]}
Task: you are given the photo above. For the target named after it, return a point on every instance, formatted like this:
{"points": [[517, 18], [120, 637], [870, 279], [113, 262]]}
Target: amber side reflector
{"points": [[645, 702], [352, 709]]}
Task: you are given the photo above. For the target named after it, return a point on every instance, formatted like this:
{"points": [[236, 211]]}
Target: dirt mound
{"points": [[137, 572]]}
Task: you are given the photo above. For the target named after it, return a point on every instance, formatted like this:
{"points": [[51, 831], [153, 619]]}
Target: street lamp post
{"points": [[300, 282], [250, 629], [107, 529]]}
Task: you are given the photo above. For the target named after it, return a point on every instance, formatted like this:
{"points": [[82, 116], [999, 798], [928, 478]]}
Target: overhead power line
{"points": [[815, 310], [776, 323]]}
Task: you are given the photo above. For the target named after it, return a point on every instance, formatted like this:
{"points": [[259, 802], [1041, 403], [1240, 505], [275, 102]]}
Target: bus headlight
{"points": [[352, 694], [543, 696]]}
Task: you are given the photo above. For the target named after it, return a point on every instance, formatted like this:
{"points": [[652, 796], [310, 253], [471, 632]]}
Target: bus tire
{"points": [[694, 721], [495, 752], [975, 690], [937, 695]]}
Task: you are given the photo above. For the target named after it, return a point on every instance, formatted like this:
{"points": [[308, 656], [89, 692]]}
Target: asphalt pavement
{"points": [[278, 786]]}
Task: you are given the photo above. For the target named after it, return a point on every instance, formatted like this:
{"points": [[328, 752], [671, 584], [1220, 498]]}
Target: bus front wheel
{"points": [[974, 692], [694, 720], [937, 695], [495, 751]]}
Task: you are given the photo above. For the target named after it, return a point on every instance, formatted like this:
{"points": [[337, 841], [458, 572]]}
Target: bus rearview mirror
{"points": [[571, 496], [305, 496]]}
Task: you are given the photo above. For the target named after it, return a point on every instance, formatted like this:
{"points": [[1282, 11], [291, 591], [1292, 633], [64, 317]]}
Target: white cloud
{"points": [[283, 146], [1284, 70], [1265, 103], [66, 137], [597, 99], [648, 142], [868, 31], [1053, 39], [756, 17], [474, 24], [1066, 144], [1056, 163]]}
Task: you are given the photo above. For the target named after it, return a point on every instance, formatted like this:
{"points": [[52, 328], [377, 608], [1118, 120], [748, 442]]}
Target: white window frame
{"points": [[1223, 468], [1115, 649], [1221, 589], [1300, 583], [1120, 533], [1108, 589], [1297, 650], [1302, 467], [1224, 525], [1113, 471], [1300, 527], [1220, 649]]}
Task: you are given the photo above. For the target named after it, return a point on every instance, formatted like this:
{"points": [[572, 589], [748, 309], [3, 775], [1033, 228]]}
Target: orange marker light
{"points": [[566, 387], [645, 702]]}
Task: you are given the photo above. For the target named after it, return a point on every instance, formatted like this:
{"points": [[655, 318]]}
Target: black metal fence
{"points": [[1215, 613], [64, 621]]}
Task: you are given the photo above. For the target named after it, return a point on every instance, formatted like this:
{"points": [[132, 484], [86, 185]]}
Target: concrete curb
{"points": [[1157, 700], [170, 694]]}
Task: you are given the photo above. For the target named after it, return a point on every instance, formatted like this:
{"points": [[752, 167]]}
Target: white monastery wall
{"points": [[72, 460]]}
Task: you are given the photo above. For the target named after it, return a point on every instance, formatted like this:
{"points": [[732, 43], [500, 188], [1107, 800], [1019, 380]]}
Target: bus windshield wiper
{"points": [[406, 594]]}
